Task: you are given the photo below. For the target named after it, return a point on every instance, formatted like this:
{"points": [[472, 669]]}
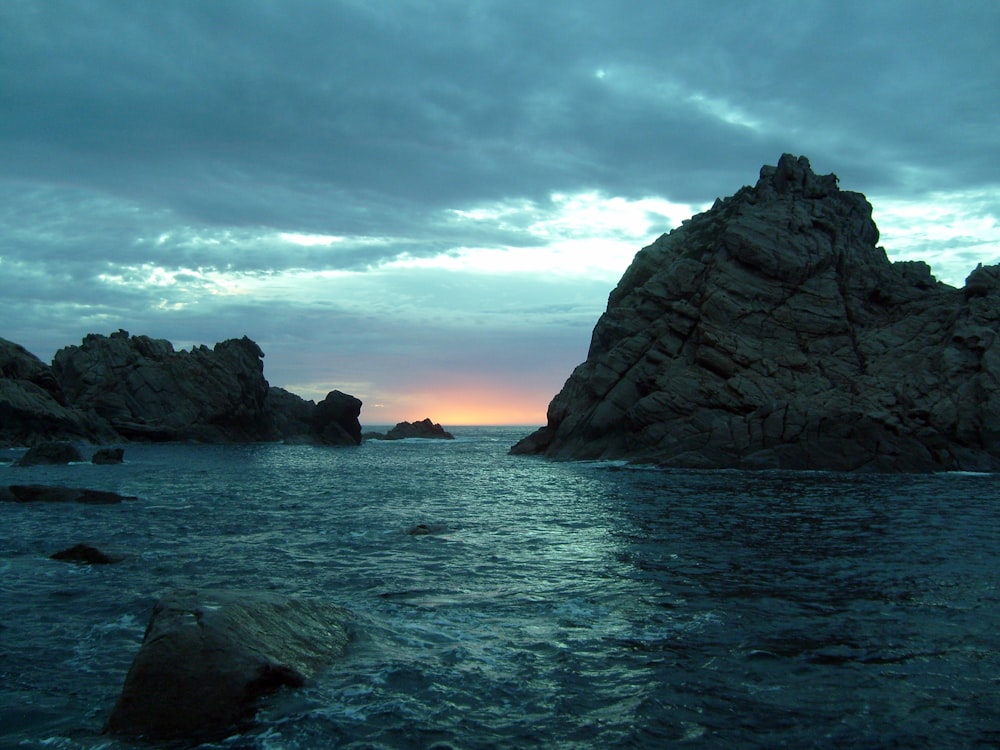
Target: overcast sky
{"points": [[425, 203]]}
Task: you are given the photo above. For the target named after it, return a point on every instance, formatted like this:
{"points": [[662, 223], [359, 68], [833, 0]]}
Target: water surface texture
{"points": [[557, 605]]}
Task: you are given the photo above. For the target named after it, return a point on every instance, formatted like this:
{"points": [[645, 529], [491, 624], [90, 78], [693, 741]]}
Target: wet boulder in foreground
{"points": [[208, 657], [771, 332]]}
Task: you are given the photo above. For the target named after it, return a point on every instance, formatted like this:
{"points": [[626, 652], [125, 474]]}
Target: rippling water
{"points": [[557, 605]]}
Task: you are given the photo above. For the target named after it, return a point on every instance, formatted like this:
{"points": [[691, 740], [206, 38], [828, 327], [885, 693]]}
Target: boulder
{"points": [[335, 419], [148, 391], [106, 456], [57, 452], [33, 407], [43, 493], [208, 657], [772, 332], [84, 553]]}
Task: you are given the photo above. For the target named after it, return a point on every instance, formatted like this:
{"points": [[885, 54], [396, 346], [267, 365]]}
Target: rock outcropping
{"points": [[146, 390], [209, 656], [425, 428], [33, 407], [127, 387], [772, 332]]}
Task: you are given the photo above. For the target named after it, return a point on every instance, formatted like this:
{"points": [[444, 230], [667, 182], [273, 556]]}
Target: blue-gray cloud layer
{"points": [[132, 133]]}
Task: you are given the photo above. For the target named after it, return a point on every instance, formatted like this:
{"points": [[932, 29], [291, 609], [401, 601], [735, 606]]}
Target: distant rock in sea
{"points": [[425, 428], [771, 332]]}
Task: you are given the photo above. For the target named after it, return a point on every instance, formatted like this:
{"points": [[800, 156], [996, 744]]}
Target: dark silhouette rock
{"points": [[33, 407], [106, 456], [44, 493], [291, 416], [425, 529], [772, 332], [51, 453], [335, 419], [148, 391], [208, 657], [127, 387], [422, 429], [84, 553]]}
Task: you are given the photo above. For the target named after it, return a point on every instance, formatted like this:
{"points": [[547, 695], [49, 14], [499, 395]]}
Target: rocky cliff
{"points": [[772, 332], [146, 390], [137, 388], [33, 407]]}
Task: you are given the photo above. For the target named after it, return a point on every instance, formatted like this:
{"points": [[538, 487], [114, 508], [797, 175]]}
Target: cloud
{"points": [[353, 177]]}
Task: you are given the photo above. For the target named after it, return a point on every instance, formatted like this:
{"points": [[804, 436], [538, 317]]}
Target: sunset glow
{"points": [[462, 405]]}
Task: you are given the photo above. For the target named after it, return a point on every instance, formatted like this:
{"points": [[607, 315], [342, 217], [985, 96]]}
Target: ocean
{"points": [[556, 605]]}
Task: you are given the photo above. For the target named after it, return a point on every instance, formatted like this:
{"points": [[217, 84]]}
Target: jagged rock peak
{"points": [[795, 175], [772, 332]]}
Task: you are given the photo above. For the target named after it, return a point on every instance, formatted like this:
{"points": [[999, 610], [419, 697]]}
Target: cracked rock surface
{"points": [[772, 332]]}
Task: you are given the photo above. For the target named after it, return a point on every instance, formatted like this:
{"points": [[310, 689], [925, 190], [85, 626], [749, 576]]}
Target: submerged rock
{"points": [[44, 493], [208, 657], [84, 553], [772, 332]]}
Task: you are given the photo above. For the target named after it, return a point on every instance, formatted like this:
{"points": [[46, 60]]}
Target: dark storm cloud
{"points": [[319, 114]]}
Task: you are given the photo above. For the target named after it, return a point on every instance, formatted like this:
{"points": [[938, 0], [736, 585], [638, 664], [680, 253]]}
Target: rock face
{"points": [[208, 657], [335, 419], [137, 388], [772, 332], [148, 391], [33, 407]]}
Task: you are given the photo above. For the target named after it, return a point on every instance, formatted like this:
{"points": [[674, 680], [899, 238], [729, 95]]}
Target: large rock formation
{"points": [[139, 388], [33, 407], [209, 656], [148, 391], [772, 332]]}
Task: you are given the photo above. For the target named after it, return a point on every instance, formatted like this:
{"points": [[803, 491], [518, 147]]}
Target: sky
{"points": [[425, 203]]}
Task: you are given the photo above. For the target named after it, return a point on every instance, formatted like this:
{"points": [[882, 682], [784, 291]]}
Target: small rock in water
{"points": [[50, 453], [84, 553], [422, 529], [109, 456]]}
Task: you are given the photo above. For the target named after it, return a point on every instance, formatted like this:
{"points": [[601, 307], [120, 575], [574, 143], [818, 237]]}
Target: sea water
{"points": [[555, 605]]}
